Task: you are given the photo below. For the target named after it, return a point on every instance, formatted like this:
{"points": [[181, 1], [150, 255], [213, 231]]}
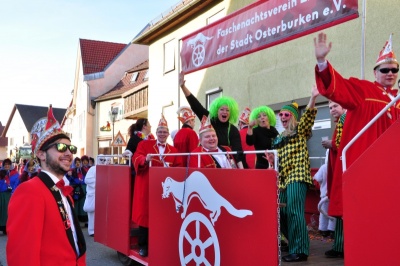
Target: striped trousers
{"points": [[338, 244], [292, 220]]}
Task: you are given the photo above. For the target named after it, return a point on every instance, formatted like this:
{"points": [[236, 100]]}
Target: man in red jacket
{"points": [[42, 228], [363, 100], [186, 138], [141, 161], [209, 143]]}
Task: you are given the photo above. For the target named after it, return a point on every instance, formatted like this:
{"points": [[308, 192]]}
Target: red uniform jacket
{"points": [[186, 140], [250, 158], [363, 100], [140, 212], [206, 160], [36, 232]]}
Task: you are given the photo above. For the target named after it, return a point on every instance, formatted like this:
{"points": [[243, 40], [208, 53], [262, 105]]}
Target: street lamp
{"points": [[113, 116]]}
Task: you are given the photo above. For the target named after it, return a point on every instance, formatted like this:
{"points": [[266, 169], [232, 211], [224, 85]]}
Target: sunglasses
{"points": [[102, 160], [61, 147], [286, 114], [387, 70]]}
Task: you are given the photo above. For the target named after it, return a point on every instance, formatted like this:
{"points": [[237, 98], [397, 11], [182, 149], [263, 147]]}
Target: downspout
{"points": [[89, 105], [363, 26]]}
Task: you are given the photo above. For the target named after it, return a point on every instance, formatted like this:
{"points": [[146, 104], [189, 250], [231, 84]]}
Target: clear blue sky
{"points": [[39, 42]]}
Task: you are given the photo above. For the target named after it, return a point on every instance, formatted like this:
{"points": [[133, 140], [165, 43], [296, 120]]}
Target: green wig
{"points": [[267, 111], [225, 101]]}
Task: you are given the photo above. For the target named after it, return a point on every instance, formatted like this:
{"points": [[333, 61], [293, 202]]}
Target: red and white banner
{"points": [[259, 26], [213, 217]]}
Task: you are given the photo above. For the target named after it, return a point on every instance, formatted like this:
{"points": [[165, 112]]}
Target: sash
{"points": [[64, 215]]}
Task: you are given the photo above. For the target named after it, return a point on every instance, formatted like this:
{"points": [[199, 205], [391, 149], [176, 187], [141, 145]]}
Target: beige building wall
{"points": [[275, 75], [83, 121], [103, 138]]}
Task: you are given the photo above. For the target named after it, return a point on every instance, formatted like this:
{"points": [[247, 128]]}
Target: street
{"points": [[96, 254]]}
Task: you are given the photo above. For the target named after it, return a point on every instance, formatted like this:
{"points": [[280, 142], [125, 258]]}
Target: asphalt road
{"points": [[96, 254]]}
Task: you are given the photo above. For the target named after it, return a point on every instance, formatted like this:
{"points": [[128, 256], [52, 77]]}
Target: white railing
{"points": [[198, 154], [115, 159], [344, 166]]}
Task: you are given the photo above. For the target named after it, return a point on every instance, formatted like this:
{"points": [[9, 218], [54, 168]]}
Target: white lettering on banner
{"points": [[270, 31], [258, 16], [337, 5], [242, 42], [264, 24]]}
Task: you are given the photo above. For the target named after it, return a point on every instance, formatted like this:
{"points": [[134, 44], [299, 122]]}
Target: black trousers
{"points": [[143, 237]]}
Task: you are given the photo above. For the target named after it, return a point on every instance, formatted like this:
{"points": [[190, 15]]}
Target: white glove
{"points": [[127, 153]]}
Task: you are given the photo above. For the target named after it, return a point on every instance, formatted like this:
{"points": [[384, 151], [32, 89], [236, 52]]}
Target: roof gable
{"points": [[96, 55], [30, 114]]}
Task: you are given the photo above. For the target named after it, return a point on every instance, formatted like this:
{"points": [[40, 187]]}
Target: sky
{"points": [[39, 43]]}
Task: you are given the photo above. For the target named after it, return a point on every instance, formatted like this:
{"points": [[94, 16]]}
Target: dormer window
{"points": [[146, 77], [134, 77]]}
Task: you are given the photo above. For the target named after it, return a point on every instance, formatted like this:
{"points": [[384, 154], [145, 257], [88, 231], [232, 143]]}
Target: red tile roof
{"points": [[125, 83], [96, 55]]}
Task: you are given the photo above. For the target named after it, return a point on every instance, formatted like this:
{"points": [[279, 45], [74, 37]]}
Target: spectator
{"points": [[89, 206], [77, 181], [326, 224], [31, 170]]}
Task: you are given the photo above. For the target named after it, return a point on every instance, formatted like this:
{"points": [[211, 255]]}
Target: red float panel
{"points": [[112, 207], [371, 214], [226, 216]]}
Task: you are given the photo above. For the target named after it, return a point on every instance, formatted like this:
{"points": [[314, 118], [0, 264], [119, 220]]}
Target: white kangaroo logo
{"points": [[197, 185], [200, 37]]}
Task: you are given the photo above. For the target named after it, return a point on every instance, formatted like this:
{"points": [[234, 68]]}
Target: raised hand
{"points": [[314, 91], [321, 47], [181, 79]]}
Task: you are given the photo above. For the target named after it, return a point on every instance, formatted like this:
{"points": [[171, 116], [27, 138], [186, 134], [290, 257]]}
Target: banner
{"points": [[213, 217], [259, 26]]}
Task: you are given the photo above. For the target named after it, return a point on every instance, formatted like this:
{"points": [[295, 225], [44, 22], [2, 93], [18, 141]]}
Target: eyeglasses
{"points": [[387, 70], [162, 132], [61, 147], [102, 159], [286, 114]]}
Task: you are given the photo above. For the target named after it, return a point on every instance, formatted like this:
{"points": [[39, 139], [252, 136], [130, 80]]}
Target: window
{"points": [[211, 95], [134, 77], [322, 128], [169, 56], [146, 76]]}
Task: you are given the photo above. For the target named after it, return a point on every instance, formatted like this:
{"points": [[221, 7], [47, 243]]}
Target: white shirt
{"points": [[222, 159], [67, 208]]}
